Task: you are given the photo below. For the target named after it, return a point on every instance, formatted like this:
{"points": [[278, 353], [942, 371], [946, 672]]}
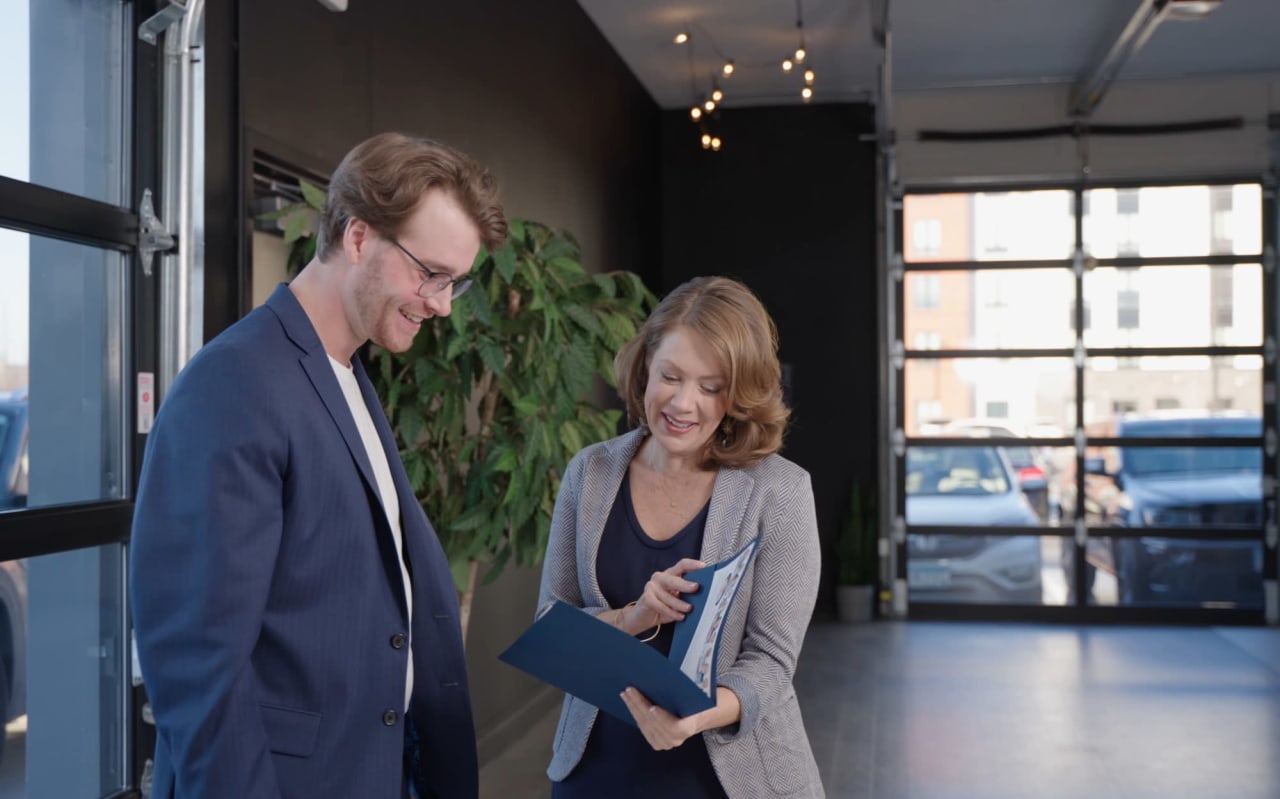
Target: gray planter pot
{"points": [[853, 603]]}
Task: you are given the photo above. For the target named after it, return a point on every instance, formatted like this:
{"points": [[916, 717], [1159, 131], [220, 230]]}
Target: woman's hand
{"points": [[664, 731], [661, 600]]}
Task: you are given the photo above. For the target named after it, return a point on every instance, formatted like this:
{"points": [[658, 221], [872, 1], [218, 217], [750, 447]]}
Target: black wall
{"points": [[530, 89], [788, 206]]}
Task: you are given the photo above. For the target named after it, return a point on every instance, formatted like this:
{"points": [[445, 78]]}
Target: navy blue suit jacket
{"points": [[266, 595]]}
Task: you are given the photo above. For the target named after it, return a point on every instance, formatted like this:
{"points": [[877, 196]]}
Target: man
{"points": [[296, 621]]}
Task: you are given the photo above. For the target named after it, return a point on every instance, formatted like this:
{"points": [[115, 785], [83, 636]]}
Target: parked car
{"points": [[969, 486], [1032, 471], [1179, 487], [13, 449], [13, 573]]}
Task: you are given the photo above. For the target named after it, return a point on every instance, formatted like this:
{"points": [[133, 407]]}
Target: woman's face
{"points": [[686, 396]]}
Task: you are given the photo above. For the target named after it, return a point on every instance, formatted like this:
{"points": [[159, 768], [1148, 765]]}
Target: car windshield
{"points": [[5, 421], [955, 470], [1149, 461]]}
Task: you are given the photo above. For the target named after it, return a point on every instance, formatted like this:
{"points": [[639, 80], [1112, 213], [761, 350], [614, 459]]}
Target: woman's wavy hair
{"points": [[733, 321], [384, 178]]}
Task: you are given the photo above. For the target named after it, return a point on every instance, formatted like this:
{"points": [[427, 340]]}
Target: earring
{"points": [[726, 431]]}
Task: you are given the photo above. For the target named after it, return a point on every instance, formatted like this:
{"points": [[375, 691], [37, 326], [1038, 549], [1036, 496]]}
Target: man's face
{"points": [[388, 308]]}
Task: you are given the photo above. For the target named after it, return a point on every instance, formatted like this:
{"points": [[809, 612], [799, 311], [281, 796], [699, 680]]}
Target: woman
{"points": [[697, 480]]}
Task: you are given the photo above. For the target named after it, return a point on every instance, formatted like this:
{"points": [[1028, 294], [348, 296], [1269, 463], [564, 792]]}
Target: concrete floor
{"points": [[939, 710]]}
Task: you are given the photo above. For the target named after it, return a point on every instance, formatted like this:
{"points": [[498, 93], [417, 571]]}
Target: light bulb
{"points": [[710, 105], [696, 113], [806, 93], [717, 95], [681, 37], [728, 68], [808, 76], [715, 143], [800, 54], [706, 140], [786, 65]]}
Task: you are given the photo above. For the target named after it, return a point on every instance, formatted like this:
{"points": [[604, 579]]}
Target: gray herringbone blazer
{"points": [[767, 753]]}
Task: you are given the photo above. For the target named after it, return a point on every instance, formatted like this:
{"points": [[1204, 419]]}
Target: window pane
{"points": [[1115, 386], [1036, 393], [1174, 221], [978, 569], [1175, 306], [61, 372], [988, 226], [991, 308], [62, 67], [62, 645]]}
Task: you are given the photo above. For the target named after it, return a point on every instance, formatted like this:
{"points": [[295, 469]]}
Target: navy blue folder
{"points": [[595, 661]]}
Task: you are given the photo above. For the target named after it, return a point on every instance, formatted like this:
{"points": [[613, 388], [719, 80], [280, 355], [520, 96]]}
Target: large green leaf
{"points": [[313, 195]]}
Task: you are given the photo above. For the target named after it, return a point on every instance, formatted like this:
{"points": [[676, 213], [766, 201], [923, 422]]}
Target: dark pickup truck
{"points": [[1193, 487]]}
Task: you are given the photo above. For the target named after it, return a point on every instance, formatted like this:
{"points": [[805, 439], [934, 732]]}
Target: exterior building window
{"points": [[997, 410], [926, 291], [1123, 406], [928, 340], [1221, 233], [928, 412], [1167, 403], [926, 237], [1127, 223], [1127, 309], [1221, 295]]}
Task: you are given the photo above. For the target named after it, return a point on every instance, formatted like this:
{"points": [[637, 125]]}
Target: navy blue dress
{"points": [[618, 761]]}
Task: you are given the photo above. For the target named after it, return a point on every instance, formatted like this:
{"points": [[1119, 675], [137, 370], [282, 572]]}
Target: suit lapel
{"points": [[724, 520], [315, 362], [597, 495]]}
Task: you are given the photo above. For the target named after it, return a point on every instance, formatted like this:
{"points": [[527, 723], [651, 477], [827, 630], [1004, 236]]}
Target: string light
{"points": [[706, 106]]}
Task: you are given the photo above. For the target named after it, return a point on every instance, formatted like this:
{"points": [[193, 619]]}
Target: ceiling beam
{"points": [[1091, 88]]}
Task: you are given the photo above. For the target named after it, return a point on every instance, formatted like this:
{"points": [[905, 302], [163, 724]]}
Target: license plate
{"points": [[929, 575]]}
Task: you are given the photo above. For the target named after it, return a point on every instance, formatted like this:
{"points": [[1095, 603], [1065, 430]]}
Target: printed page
{"points": [[698, 663]]}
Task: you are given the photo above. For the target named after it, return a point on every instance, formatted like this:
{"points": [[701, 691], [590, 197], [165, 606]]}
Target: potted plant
{"points": [[857, 557], [490, 403]]}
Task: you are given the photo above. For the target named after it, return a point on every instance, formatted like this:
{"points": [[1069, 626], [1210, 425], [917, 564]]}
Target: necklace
{"points": [[663, 488]]}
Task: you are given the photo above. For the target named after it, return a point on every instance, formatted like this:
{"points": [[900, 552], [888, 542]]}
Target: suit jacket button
{"points": [[398, 641], [389, 718]]}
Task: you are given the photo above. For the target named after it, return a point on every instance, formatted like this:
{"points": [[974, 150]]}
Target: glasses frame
{"points": [[457, 285]]}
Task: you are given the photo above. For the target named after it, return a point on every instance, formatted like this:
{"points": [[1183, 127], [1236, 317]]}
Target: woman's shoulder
{"points": [[602, 454], [776, 469]]}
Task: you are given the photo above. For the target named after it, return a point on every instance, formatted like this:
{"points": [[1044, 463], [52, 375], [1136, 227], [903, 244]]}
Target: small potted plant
{"points": [[857, 558]]}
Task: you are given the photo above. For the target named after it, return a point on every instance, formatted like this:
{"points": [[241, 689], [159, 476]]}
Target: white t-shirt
{"points": [[386, 489]]}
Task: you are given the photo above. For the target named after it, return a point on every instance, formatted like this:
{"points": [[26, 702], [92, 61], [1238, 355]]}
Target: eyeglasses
{"points": [[435, 282]]}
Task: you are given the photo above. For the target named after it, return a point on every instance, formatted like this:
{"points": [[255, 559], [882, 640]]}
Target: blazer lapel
{"points": [[598, 493], [315, 362], [724, 519]]}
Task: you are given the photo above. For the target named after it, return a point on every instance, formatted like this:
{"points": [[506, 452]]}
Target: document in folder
{"points": [[594, 661]]}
